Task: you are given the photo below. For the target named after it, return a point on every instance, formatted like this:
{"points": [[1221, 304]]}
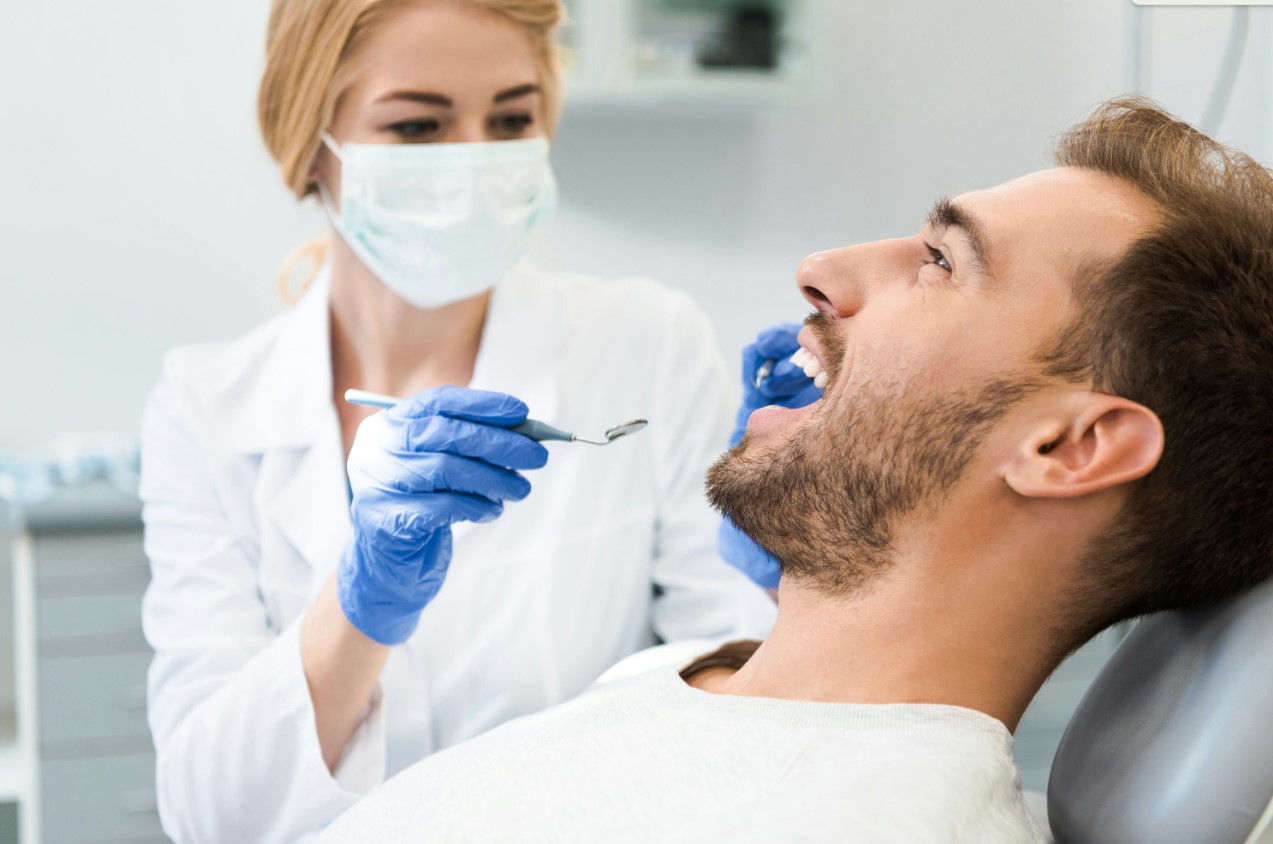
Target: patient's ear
{"points": [[1102, 441]]}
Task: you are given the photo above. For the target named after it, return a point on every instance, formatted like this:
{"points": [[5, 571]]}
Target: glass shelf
{"points": [[699, 51]]}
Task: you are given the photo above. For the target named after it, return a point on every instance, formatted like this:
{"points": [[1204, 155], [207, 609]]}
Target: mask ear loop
{"points": [[328, 205], [330, 143]]}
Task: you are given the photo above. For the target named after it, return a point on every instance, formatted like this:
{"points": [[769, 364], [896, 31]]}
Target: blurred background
{"points": [[710, 144]]}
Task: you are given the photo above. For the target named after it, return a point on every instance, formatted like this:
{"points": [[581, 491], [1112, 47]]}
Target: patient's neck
{"points": [[941, 638]]}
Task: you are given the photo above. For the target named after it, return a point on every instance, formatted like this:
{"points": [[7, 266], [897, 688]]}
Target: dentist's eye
{"points": [[512, 125], [416, 130], [938, 258]]}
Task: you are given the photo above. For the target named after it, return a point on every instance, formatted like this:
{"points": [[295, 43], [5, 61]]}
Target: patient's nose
{"points": [[827, 280]]}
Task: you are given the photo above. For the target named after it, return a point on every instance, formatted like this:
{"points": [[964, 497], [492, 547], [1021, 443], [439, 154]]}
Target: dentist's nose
{"points": [[828, 282], [468, 132]]}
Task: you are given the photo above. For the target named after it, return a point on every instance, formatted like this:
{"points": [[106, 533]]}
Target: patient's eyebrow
{"points": [[948, 214]]}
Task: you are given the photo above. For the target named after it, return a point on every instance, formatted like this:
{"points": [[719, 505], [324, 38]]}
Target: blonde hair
{"points": [[312, 47]]}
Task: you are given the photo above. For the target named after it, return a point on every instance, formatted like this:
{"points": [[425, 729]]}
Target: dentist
{"points": [[324, 609]]}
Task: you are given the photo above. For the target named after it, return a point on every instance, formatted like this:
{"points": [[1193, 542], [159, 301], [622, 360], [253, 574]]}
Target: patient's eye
{"points": [[938, 258]]}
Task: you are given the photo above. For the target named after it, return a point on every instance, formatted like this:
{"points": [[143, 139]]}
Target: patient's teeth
{"points": [[805, 359], [822, 380]]}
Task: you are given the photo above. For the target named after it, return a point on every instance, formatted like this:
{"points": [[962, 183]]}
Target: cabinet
{"points": [[699, 52], [83, 748]]}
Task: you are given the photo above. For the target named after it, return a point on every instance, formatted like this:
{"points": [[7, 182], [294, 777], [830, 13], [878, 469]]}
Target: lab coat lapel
{"points": [[311, 509], [521, 344], [301, 481]]}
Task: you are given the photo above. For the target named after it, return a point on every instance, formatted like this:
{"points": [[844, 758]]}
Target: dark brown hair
{"points": [[1183, 324]]}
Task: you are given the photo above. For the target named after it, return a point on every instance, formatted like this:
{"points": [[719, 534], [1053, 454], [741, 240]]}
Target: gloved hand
{"points": [[441, 457], [788, 386]]}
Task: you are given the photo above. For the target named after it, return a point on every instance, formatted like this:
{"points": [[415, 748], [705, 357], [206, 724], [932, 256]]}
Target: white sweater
{"points": [[649, 758]]}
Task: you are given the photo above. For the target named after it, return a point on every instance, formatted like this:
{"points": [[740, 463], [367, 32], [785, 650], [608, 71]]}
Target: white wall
{"points": [[140, 212]]}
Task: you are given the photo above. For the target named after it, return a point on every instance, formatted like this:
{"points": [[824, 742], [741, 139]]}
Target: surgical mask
{"points": [[441, 222]]}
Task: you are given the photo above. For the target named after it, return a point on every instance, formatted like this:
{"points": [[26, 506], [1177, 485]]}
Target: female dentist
{"points": [[305, 648]]}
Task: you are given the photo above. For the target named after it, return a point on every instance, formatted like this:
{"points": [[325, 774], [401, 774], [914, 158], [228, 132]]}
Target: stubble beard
{"points": [[826, 502]]}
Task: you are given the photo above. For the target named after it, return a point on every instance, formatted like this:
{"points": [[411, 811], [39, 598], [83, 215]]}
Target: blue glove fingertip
{"points": [[490, 514], [488, 407], [785, 370], [516, 489], [786, 380], [500, 409], [493, 444], [779, 341], [536, 457]]}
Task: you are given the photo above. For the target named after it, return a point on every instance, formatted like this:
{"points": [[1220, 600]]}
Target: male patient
{"points": [[1048, 411]]}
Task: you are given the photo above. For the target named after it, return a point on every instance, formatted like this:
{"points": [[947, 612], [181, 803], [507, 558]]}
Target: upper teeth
{"points": [[812, 367]]}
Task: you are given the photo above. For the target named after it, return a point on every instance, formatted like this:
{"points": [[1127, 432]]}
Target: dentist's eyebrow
{"points": [[422, 97], [430, 98], [948, 214], [514, 93]]}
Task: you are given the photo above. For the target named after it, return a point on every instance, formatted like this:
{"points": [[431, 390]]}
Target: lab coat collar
{"points": [[290, 405], [292, 424], [291, 400]]}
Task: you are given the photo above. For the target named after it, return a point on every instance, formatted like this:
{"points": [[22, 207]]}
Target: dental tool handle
{"points": [[370, 399], [541, 431], [533, 428], [766, 369]]}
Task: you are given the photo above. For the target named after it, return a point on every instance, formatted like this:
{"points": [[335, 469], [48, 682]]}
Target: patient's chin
{"points": [[810, 504], [749, 485], [732, 479]]}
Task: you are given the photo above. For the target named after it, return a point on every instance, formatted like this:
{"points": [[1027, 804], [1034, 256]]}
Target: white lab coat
{"points": [[246, 512]]}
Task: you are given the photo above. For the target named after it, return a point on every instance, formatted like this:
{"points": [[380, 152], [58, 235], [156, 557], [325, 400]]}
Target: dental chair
{"points": [[1173, 743]]}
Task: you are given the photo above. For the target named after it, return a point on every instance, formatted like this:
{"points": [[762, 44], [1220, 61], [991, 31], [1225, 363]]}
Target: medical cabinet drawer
{"points": [[93, 701], [101, 800], [90, 564], [89, 623]]}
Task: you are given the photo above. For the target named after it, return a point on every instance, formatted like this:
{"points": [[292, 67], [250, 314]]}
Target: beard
{"points": [[826, 502]]}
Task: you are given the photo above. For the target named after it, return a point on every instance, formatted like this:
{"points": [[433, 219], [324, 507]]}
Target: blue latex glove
{"points": [[441, 457], [788, 386]]}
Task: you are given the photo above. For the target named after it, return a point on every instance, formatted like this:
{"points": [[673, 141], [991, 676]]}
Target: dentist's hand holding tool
{"points": [[443, 456], [769, 377]]}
